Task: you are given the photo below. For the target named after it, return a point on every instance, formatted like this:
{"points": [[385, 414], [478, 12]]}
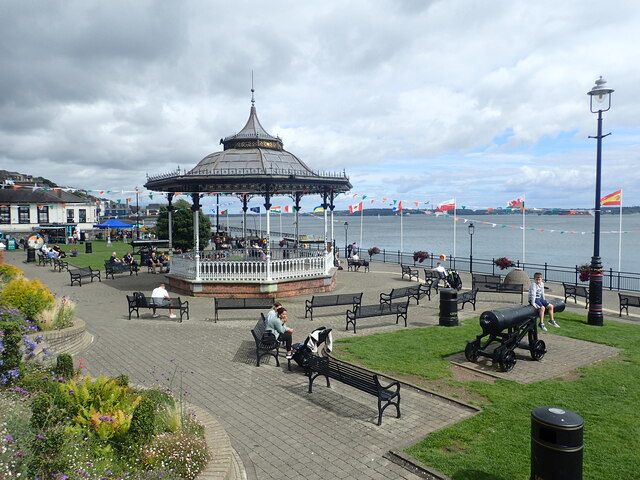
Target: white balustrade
{"points": [[184, 265]]}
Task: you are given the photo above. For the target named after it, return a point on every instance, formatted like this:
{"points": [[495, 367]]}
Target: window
{"points": [[70, 215], [5, 214], [24, 215], [82, 215], [43, 213]]}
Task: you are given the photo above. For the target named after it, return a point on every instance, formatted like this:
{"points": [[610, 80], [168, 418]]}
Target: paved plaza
{"points": [[278, 429]]}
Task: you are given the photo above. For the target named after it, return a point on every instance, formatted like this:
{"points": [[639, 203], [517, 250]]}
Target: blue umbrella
{"points": [[113, 223]]}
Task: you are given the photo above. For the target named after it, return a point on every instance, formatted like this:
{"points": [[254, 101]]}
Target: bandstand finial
{"points": [[253, 100]]}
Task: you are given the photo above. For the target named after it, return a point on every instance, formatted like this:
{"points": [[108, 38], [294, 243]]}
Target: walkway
{"points": [[278, 429]]}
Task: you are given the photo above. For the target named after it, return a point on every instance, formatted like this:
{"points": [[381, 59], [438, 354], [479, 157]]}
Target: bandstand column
{"points": [[297, 198], [244, 223], [325, 205], [170, 209], [267, 206], [332, 207], [196, 231]]}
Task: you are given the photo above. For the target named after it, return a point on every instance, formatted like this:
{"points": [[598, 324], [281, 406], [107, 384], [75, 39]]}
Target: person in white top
{"points": [[442, 273], [161, 297], [537, 300]]}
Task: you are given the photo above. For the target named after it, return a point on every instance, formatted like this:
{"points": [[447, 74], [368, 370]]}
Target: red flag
{"points": [[446, 206], [614, 198], [517, 203], [355, 208], [398, 208]]}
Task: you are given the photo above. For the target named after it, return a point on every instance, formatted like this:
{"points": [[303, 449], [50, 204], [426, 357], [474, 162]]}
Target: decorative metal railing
{"points": [[251, 270]]}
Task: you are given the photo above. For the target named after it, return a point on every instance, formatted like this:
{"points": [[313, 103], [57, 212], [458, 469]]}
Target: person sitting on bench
{"points": [[442, 273], [114, 258], [154, 262], [161, 297], [129, 260], [278, 326]]}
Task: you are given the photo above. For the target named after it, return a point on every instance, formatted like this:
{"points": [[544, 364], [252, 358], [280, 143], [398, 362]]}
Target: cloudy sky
{"points": [[417, 100]]}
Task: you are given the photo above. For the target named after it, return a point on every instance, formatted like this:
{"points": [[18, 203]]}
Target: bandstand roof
{"points": [[252, 161]]}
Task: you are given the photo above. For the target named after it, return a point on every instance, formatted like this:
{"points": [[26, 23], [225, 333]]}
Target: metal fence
{"points": [[613, 280]]}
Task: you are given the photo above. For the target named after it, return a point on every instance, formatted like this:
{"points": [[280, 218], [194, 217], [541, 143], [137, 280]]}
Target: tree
{"points": [[183, 225]]}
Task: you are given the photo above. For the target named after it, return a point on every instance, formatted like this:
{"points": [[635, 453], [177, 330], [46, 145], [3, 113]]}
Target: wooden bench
{"points": [[364, 381], [59, 264], [379, 310], [138, 300], [263, 346], [353, 299], [627, 301], [241, 304], [493, 284], [111, 268], [409, 272], [354, 265], [414, 291], [78, 274], [574, 291], [467, 297]]}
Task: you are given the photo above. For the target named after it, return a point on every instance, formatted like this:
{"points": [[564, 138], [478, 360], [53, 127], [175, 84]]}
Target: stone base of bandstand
{"points": [[283, 288]]}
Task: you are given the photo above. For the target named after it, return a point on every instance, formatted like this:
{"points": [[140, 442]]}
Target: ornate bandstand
{"points": [[252, 164]]}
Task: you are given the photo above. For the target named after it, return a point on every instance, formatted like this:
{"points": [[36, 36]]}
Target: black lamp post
{"points": [[137, 215], [346, 236], [471, 230], [602, 97]]}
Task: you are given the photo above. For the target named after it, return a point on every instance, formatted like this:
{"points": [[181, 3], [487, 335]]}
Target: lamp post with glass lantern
{"points": [[346, 236], [600, 98], [471, 231]]}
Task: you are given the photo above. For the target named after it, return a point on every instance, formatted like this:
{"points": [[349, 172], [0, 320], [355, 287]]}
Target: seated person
{"points": [[114, 258], [164, 259], [52, 253], [129, 260], [278, 326], [60, 253], [161, 297], [154, 262], [442, 273], [74, 252]]}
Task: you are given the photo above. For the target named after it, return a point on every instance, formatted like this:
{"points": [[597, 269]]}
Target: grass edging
{"points": [[414, 466]]}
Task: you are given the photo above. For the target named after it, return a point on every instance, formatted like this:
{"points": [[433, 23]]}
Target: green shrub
{"points": [[122, 380], [9, 272], [29, 296], [47, 460], [142, 426], [10, 356], [41, 411], [65, 314], [64, 366]]}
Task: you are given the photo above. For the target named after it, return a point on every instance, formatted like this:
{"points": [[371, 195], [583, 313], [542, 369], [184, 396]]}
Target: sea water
{"points": [[562, 240]]}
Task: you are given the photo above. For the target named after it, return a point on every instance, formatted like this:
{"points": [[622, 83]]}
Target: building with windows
{"points": [[27, 210]]}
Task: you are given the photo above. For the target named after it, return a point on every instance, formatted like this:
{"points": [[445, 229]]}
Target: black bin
{"points": [[31, 254], [88, 248], [448, 307], [556, 444]]}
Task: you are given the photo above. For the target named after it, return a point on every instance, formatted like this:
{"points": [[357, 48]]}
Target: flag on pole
{"points": [[224, 212], [355, 208], [287, 209], [255, 209], [446, 206], [318, 209], [276, 209], [398, 208], [614, 198], [517, 203]]}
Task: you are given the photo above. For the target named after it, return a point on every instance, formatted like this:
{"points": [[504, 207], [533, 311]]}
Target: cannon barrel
{"points": [[494, 321]]}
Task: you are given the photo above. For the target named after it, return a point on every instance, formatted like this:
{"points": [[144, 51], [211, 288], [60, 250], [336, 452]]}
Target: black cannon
{"points": [[508, 327]]}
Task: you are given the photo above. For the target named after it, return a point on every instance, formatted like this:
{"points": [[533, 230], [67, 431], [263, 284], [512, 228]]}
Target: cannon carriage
{"points": [[504, 330]]}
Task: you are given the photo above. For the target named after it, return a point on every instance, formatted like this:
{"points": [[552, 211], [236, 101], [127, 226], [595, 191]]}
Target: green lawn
{"points": [[495, 444], [101, 252]]}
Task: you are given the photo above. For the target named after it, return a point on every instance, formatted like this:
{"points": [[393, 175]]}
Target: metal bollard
{"points": [[556, 444], [31, 254], [448, 307], [88, 248]]}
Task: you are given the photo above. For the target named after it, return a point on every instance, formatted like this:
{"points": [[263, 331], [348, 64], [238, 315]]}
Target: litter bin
{"points": [[448, 307], [31, 254], [88, 248], [12, 244], [556, 444]]}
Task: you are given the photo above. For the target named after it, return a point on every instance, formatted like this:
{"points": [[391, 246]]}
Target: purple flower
{"points": [[8, 438], [105, 419], [41, 437]]}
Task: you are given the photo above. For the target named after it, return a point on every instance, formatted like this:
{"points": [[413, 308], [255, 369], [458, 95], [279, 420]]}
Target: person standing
{"points": [[161, 297], [537, 300]]}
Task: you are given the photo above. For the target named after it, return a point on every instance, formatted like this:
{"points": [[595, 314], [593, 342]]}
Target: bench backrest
{"points": [[258, 302], [403, 292], [341, 299], [579, 290], [630, 300], [483, 278], [365, 381]]}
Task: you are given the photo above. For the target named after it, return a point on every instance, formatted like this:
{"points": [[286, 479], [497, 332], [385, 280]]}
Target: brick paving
{"points": [[277, 428]]}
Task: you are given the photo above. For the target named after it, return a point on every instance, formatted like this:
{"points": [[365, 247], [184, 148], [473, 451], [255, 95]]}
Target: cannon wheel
{"points": [[507, 361], [471, 350], [538, 349]]}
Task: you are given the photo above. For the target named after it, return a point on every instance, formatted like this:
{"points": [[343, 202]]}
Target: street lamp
{"points": [[346, 235], [471, 230], [601, 95]]}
